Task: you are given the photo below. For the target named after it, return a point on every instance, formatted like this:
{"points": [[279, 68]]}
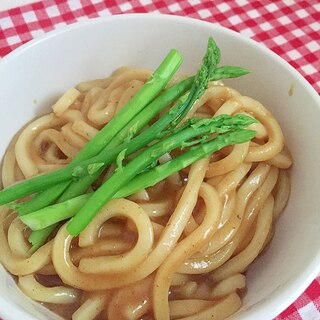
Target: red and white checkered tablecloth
{"points": [[291, 28]]}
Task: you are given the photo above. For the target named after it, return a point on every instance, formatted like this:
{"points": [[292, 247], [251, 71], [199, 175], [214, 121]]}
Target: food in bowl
{"points": [[168, 207]]}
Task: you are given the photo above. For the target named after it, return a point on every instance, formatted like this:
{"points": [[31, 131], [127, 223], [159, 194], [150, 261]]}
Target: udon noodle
{"points": [[177, 250]]}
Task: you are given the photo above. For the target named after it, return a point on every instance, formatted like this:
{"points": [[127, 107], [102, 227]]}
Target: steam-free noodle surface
{"points": [[186, 241]]}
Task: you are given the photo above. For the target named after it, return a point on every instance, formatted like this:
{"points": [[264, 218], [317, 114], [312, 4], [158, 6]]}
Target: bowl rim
{"points": [[150, 16], [295, 287]]}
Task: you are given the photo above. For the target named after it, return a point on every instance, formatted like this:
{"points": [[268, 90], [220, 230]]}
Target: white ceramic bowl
{"points": [[34, 75]]}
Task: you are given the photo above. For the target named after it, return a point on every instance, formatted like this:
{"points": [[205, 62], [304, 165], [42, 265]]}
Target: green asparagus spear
{"points": [[172, 117], [141, 99], [207, 68], [86, 168], [121, 177], [48, 181], [125, 139], [62, 211], [147, 93]]}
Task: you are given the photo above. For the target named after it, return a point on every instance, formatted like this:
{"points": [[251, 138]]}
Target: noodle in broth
{"points": [[177, 250]]}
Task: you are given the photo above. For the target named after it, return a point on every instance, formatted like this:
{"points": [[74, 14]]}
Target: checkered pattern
{"points": [[306, 307], [291, 28]]}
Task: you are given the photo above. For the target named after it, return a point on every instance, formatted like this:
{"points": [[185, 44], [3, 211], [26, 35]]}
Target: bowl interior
{"points": [[34, 76]]}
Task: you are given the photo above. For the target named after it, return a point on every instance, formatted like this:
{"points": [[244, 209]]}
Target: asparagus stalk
{"points": [[125, 139], [53, 214], [62, 211], [161, 172], [147, 93], [40, 200], [39, 183], [172, 117], [140, 100], [76, 188], [208, 66], [144, 96], [47, 183], [123, 175], [107, 156], [211, 59], [226, 72], [39, 237], [202, 77]]}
